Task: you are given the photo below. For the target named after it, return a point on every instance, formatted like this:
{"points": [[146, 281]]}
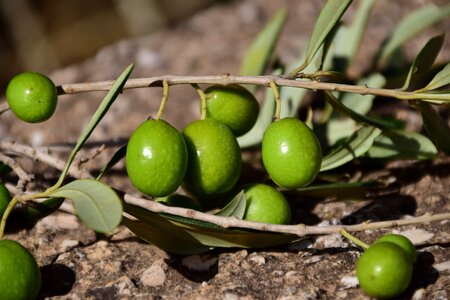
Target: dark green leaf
{"points": [[410, 26], [235, 208], [261, 50], [341, 190], [118, 155], [356, 145], [425, 59], [110, 97], [38, 210], [436, 127], [96, 204], [398, 144], [327, 20]]}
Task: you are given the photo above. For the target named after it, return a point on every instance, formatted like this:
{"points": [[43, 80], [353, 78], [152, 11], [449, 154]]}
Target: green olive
{"points": [[384, 270], [291, 153], [401, 241], [232, 105], [266, 204], [32, 97], [20, 277], [156, 158], [5, 197], [214, 158]]}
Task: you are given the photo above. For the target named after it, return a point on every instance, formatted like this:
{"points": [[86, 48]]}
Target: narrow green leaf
{"points": [[410, 26], [261, 50], [265, 117], [439, 80], [348, 38], [39, 210], [235, 208], [207, 235], [329, 16], [160, 233], [96, 204], [118, 156], [425, 59], [337, 105], [436, 127], [110, 97], [398, 144], [341, 190], [356, 145]]}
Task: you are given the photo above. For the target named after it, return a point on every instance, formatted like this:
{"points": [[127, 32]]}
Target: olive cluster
{"points": [[206, 158]]}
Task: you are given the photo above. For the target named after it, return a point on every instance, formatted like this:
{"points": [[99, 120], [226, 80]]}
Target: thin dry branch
{"points": [[225, 222], [24, 177], [225, 79]]}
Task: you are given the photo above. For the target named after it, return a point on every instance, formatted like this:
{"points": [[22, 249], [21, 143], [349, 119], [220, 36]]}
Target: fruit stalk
{"points": [[276, 93], [355, 240], [163, 100]]}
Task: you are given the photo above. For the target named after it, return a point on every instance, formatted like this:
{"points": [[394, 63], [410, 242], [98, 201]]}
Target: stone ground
{"points": [[79, 264]]}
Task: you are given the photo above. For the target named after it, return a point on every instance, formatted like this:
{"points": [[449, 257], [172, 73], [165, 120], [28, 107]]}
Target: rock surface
{"points": [[79, 264]]}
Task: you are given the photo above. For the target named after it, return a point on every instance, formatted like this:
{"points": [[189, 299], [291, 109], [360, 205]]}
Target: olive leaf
{"points": [[261, 50], [425, 58], [439, 80], [410, 26], [235, 208], [436, 127], [340, 190], [39, 210], [329, 16], [397, 144], [96, 204], [356, 145], [118, 156]]}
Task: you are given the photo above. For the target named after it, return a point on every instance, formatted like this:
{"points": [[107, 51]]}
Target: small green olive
{"points": [[384, 270], [266, 204], [401, 241], [32, 97], [291, 153], [156, 158], [20, 277], [5, 197], [214, 158], [233, 105]]}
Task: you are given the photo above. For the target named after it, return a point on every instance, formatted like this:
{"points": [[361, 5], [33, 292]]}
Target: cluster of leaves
{"points": [[347, 132]]}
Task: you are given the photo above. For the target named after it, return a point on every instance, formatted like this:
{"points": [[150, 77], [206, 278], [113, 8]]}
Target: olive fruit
{"points": [[178, 200], [401, 241], [214, 158], [266, 204], [156, 158], [232, 105], [20, 277], [5, 197], [291, 153], [384, 270], [32, 97]]}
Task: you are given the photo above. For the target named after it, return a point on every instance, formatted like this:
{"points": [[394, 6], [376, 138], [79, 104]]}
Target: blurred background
{"points": [[43, 35]]}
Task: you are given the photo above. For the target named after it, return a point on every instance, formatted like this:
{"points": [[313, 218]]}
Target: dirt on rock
{"points": [[77, 263]]}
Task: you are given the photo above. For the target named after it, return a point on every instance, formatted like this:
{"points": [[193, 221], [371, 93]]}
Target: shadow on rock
{"points": [[197, 268], [383, 209], [423, 275], [57, 280]]}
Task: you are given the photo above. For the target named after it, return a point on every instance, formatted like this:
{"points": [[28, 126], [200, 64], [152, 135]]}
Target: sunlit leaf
{"points": [[205, 233], [261, 50], [412, 25], [398, 144], [235, 208], [425, 59], [341, 190], [436, 127], [96, 204], [110, 97], [329, 16], [356, 145], [439, 80]]}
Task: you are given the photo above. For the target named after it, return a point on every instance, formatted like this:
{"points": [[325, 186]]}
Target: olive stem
{"points": [[73, 88], [202, 95], [354, 239], [6, 213], [276, 93], [165, 96]]}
